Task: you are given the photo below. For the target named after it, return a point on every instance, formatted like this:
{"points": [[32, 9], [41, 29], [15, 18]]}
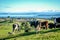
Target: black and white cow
{"points": [[51, 25], [36, 25], [57, 22], [16, 27]]}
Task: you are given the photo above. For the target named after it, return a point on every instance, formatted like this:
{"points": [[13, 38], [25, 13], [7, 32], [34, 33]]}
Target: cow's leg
{"points": [[37, 29], [46, 26], [40, 25], [55, 25], [13, 29], [18, 28]]}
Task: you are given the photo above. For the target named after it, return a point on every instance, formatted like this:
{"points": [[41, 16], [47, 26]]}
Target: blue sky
{"points": [[29, 5]]}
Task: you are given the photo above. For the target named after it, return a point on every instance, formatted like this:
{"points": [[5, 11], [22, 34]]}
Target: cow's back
{"points": [[58, 20]]}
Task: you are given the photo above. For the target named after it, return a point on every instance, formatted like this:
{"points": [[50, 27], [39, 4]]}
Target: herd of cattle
{"points": [[38, 25]]}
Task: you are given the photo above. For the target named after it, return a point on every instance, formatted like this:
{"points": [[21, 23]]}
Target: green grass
{"points": [[50, 34]]}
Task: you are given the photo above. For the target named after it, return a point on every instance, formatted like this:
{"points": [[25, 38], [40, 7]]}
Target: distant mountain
{"points": [[57, 14], [49, 14], [30, 14], [3, 13], [33, 13]]}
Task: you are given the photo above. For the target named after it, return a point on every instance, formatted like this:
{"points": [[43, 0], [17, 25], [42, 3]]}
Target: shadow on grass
{"points": [[53, 30], [30, 33], [3, 21]]}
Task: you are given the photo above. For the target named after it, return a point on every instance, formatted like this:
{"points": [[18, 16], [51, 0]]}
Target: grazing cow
{"points": [[36, 25], [44, 23], [16, 27], [51, 25], [57, 22]]}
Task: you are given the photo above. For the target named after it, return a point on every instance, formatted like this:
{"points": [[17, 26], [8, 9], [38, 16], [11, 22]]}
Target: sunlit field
{"points": [[29, 19], [5, 27]]}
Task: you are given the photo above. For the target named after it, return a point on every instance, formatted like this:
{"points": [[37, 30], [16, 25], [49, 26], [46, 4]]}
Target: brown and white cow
{"points": [[38, 25], [44, 23]]}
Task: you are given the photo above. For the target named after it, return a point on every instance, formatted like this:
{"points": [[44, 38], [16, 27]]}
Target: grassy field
{"points": [[50, 34]]}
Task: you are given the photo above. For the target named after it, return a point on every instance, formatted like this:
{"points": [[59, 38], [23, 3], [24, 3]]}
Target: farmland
{"points": [[6, 26]]}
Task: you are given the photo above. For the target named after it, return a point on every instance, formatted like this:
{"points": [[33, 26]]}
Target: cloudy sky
{"points": [[29, 5]]}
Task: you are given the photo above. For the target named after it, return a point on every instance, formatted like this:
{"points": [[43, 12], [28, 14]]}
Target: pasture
{"points": [[50, 34]]}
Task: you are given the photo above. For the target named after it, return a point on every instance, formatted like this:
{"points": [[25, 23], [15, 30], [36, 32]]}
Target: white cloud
{"points": [[28, 9]]}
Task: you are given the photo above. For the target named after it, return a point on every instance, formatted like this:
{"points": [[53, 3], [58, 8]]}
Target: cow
{"points": [[36, 25], [44, 23], [51, 25], [15, 27], [57, 22]]}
